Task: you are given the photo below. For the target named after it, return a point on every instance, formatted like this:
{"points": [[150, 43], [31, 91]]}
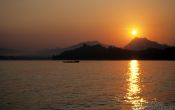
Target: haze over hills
{"points": [[143, 44], [45, 53], [89, 43], [146, 50], [93, 52], [7, 51], [56, 51], [96, 50]]}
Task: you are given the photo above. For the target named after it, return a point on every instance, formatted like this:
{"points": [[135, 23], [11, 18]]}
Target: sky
{"points": [[36, 24]]}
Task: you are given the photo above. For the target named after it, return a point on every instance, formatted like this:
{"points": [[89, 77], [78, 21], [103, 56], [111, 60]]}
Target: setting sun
{"points": [[134, 32]]}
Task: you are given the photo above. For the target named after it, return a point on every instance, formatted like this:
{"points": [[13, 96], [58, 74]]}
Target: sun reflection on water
{"points": [[134, 87]]}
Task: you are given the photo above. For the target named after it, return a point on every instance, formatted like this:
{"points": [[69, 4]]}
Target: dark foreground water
{"points": [[88, 85]]}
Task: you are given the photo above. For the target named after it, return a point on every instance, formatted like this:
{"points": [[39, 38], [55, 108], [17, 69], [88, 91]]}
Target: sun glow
{"points": [[134, 32]]}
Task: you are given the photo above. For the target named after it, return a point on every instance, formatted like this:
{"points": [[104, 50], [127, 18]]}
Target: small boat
{"points": [[71, 61]]}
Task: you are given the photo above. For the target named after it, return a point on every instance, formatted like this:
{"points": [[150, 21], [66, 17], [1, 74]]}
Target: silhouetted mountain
{"points": [[98, 52], [94, 52], [8, 51], [44, 53], [156, 54], [88, 43], [144, 43], [48, 53]]}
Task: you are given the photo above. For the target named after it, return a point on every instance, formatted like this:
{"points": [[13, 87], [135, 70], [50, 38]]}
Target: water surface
{"points": [[88, 85]]}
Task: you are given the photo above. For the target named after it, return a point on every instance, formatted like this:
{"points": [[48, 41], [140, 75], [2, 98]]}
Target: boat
{"points": [[71, 61]]}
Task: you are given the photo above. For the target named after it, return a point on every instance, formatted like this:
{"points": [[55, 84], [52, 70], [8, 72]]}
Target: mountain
{"points": [[57, 51], [44, 53], [98, 52], [143, 44], [94, 52], [8, 51], [88, 43]]}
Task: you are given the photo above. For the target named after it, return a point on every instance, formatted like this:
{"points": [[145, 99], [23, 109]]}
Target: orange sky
{"points": [[59, 23]]}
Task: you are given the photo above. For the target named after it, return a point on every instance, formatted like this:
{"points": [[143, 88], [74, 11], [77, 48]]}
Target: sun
{"points": [[134, 32]]}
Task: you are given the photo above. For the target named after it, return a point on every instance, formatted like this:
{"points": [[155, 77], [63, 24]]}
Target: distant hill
{"points": [[139, 48], [57, 51], [88, 43], [8, 51], [143, 44], [44, 53], [94, 52], [98, 52]]}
